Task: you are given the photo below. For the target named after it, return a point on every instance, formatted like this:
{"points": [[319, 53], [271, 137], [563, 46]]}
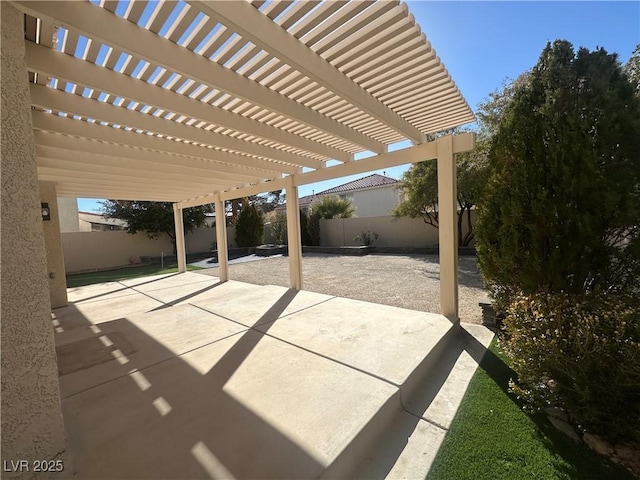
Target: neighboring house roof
{"points": [[370, 181], [303, 202], [100, 219], [306, 201]]}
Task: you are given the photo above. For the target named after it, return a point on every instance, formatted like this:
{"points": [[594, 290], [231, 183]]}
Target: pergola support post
{"points": [[447, 230], [221, 239], [293, 235], [180, 249]]}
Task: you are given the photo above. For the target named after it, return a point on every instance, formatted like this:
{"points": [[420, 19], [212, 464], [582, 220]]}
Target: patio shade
{"points": [[178, 101]]}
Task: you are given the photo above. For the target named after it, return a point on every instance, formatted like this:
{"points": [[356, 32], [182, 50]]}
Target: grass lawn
{"points": [[491, 437], [89, 278]]}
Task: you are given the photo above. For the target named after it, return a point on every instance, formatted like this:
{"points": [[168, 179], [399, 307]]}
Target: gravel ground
{"points": [[407, 281]]}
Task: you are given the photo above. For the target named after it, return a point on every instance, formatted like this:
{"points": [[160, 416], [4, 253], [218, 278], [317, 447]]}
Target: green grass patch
{"points": [[89, 278], [491, 437]]}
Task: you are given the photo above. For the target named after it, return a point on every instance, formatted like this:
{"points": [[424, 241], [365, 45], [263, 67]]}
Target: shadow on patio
{"points": [[246, 381]]}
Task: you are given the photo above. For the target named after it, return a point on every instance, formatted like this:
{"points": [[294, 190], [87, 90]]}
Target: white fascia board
{"points": [[100, 24]]}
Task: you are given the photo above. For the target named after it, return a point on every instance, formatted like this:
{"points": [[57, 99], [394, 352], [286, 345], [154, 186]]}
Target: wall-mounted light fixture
{"points": [[46, 213]]}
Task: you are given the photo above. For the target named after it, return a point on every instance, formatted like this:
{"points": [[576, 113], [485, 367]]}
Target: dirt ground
{"points": [[407, 281]]}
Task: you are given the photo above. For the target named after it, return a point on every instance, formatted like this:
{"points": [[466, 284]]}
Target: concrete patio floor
{"points": [[183, 377]]}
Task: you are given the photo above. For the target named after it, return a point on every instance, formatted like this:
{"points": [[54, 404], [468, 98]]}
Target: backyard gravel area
{"points": [[407, 281]]}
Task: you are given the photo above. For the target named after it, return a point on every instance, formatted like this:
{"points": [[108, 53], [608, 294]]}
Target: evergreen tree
{"points": [[561, 211], [154, 218]]}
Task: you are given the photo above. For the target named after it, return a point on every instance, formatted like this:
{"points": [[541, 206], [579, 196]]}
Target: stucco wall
{"points": [[375, 201], [53, 245], [97, 250], [31, 414], [392, 232], [68, 214]]}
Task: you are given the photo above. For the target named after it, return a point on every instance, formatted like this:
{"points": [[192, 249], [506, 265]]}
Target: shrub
{"points": [[582, 352], [304, 228], [249, 226], [333, 207], [279, 227], [367, 238], [313, 229]]}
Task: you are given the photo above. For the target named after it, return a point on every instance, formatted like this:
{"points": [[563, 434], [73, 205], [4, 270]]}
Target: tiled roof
{"points": [[303, 202], [306, 200], [374, 180]]}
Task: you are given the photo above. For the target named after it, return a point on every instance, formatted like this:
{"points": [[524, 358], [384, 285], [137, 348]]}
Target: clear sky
{"points": [[484, 43]]}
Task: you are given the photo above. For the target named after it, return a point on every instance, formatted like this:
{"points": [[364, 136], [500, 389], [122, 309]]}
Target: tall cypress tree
{"points": [[561, 211]]}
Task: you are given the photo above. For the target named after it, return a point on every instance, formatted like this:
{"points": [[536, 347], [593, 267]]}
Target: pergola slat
{"points": [[50, 63], [91, 20], [252, 25]]}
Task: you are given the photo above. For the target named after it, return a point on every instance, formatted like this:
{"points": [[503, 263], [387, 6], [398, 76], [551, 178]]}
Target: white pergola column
{"points": [[53, 245], [221, 239], [180, 250], [448, 225], [293, 235]]}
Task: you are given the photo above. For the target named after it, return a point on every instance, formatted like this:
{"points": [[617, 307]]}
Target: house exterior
{"points": [[372, 196], [95, 222]]}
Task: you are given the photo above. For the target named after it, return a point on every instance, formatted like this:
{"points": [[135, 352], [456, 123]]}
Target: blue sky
{"points": [[484, 43]]}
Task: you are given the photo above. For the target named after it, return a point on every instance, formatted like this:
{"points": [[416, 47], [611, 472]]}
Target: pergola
{"points": [[200, 102], [193, 103]]}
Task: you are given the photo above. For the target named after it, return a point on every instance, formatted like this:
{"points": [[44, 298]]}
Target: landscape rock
{"points": [[629, 456], [598, 444], [565, 428], [556, 412]]}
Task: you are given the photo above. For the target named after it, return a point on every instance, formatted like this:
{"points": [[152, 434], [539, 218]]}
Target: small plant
{"points": [[367, 238]]}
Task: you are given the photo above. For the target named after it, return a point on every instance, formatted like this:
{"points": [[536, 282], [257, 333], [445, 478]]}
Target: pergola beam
{"points": [[82, 162], [69, 189], [463, 142], [65, 102], [113, 190], [102, 25], [118, 137], [47, 166], [246, 20], [121, 143], [65, 67]]}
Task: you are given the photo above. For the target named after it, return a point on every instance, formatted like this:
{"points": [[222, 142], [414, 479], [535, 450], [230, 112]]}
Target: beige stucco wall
{"points": [[68, 214], [392, 232], [31, 413], [97, 250], [374, 202], [53, 244]]}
